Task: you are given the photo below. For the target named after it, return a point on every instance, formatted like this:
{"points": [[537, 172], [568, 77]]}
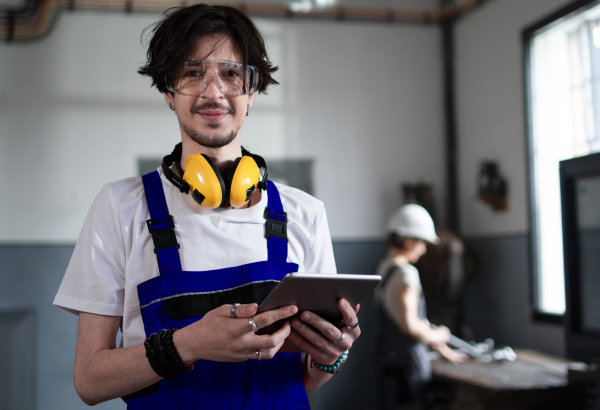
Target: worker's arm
{"points": [[103, 372], [409, 322]]}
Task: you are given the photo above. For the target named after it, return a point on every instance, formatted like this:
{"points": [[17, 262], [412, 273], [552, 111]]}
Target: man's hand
{"points": [[324, 341], [220, 337]]}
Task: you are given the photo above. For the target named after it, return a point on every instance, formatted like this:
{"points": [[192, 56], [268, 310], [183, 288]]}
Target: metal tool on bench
{"points": [[483, 351]]}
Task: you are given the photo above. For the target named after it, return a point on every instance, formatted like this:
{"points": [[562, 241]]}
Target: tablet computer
{"points": [[318, 293]]}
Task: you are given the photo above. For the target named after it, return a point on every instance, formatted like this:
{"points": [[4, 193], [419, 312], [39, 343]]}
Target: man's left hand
{"points": [[322, 340]]}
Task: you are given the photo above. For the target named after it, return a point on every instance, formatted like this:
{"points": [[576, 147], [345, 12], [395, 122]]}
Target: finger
{"points": [[271, 316], [312, 343], [283, 332], [243, 311], [330, 331], [269, 345], [322, 333], [349, 315]]}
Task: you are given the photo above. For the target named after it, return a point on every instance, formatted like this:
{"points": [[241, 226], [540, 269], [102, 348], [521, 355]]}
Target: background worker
{"points": [[179, 258], [405, 333]]}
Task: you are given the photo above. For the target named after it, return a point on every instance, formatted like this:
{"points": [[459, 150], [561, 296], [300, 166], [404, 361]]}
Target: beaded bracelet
{"points": [[162, 354], [334, 368]]}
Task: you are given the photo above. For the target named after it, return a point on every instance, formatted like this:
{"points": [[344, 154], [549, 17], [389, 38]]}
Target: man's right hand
{"points": [[220, 337]]}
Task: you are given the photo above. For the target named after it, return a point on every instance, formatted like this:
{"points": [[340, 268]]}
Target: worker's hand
{"points": [[324, 341], [450, 354], [219, 336], [439, 335]]}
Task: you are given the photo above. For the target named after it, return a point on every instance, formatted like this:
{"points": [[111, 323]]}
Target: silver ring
{"points": [[353, 326], [258, 355], [341, 339], [233, 308], [253, 325]]}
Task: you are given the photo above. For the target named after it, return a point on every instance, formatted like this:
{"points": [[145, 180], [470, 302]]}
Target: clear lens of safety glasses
{"points": [[230, 77]]}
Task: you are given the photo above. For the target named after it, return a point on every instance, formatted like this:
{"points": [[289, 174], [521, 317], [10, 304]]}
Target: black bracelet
{"points": [[162, 354], [174, 354]]}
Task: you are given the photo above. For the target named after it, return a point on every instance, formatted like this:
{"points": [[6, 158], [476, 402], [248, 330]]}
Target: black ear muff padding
{"points": [[229, 179], [224, 188]]}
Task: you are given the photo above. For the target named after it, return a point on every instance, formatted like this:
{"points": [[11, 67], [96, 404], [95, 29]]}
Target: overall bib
{"points": [[177, 298]]}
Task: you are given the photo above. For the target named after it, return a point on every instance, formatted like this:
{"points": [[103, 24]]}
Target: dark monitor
{"points": [[580, 200]]}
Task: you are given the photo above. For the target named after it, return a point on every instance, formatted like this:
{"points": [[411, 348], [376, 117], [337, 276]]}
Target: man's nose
{"points": [[212, 88]]}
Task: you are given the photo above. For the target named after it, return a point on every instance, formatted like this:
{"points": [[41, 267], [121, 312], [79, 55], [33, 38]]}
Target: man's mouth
{"points": [[212, 111], [212, 115]]}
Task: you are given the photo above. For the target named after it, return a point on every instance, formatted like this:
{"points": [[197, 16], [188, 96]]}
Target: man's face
{"points": [[212, 119]]}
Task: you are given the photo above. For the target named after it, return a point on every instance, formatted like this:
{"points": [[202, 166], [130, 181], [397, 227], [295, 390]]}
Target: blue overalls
{"points": [[178, 298]]}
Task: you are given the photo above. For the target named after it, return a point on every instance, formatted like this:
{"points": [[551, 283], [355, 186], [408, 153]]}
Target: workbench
{"points": [[533, 381]]}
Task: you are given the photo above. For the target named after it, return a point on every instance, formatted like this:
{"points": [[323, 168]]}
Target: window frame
{"points": [[534, 270]]}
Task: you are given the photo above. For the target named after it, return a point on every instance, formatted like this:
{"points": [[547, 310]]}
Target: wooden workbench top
{"points": [[531, 370]]}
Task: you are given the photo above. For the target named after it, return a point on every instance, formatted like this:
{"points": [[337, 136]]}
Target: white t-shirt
{"points": [[115, 252], [404, 274]]}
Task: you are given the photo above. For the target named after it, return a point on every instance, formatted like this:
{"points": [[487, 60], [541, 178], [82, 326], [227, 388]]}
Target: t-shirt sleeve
{"points": [[319, 257], [409, 276], [95, 280]]}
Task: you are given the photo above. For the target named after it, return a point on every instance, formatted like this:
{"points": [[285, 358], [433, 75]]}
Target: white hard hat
{"points": [[413, 221]]}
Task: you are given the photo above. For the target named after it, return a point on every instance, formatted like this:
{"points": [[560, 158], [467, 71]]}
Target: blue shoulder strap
{"points": [[161, 225], [276, 225]]}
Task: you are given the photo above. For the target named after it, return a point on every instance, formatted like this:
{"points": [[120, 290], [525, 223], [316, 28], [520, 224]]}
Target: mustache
{"points": [[212, 105]]}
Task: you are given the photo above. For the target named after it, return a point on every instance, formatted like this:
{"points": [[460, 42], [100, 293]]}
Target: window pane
{"points": [[565, 119]]}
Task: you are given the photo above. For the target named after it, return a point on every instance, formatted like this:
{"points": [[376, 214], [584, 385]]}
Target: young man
{"points": [[180, 266], [405, 332]]}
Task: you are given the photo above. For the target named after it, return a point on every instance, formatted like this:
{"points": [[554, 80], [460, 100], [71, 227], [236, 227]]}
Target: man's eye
{"points": [[231, 73], [192, 74]]}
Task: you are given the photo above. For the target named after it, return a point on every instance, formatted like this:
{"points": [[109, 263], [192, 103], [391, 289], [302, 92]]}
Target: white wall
{"points": [[491, 110], [361, 99]]}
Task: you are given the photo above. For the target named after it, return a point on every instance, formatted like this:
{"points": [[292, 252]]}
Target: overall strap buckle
{"points": [[163, 232], [276, 224]]}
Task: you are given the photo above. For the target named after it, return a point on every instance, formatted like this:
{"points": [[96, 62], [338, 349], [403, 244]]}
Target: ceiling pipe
{"points": [[23, 24]]}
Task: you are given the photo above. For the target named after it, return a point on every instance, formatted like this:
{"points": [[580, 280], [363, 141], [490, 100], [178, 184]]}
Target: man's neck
{"points": [[222, 157], [399, 255]]}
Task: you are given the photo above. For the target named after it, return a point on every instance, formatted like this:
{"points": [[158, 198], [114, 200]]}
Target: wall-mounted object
{"points": [[492, 187]]}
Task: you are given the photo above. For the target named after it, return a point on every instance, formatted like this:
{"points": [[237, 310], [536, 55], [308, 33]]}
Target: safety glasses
{"points": [[230, 77]]}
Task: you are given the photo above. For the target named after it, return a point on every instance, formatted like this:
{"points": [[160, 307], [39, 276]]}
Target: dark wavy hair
{"points": [[175, 35]]}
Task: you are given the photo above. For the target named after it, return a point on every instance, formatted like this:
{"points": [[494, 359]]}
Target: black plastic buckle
{"points": [[163, 236], [275, 227]]}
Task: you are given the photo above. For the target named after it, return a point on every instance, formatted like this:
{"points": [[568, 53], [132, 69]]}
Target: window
{"points": [[562, 71]]}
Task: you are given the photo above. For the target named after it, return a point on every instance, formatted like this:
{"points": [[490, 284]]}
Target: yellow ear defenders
{"points": [[204, 181]]}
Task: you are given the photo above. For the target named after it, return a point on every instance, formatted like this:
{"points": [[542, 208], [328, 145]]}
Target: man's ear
{"points": [[169, 99], [250, 100]]}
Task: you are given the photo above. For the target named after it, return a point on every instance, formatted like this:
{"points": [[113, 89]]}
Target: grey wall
{"points": [[491, 110], [29, 278]]}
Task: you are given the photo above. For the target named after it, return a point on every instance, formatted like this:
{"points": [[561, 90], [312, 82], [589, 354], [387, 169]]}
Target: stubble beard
{"points": [[210, 141]]}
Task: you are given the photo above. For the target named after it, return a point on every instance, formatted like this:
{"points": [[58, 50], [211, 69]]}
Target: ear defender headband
{"points": [[206, 184]]}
